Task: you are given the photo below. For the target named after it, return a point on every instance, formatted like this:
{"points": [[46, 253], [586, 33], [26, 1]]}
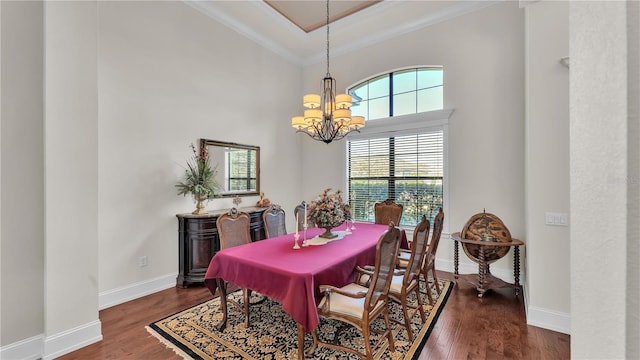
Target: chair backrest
{"points": [[418, 251], [387, 211], [233, 228], [386, 254], [299, 210], [435, 237], [274, 221]]}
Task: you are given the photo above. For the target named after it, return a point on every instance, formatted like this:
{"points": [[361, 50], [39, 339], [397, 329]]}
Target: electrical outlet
{"points": [[142, 261]]}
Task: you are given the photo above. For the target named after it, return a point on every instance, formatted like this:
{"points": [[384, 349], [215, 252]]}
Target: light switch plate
{"points": [[556, 219]]}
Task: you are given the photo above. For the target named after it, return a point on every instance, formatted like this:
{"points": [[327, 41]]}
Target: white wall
{"points": [[483, 58], [168, 76], [71, 173], [632, 327], [547, 163], [604, 124], [0, 174], [22, 180]]}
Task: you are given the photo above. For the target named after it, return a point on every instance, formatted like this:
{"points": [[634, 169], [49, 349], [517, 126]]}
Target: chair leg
{"points": [[367, 341], [405, 312], [420, 309], [388, 325], [428, 287], [435, 279]]}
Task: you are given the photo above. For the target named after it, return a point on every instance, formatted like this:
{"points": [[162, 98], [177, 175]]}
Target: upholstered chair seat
{"points": [[403, 259], [351, 306], [397, 284]]}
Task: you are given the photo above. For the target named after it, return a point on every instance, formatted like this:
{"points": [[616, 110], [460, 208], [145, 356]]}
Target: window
{"points": [[407, 169], [404, 163], [406, 91], [240, 169]]}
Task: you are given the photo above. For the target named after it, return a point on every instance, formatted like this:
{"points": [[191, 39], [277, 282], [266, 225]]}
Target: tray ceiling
{"points": [[295, 29]]}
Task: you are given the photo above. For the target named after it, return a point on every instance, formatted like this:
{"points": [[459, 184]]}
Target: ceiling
{"points": [[310, 15], [295, 29]]}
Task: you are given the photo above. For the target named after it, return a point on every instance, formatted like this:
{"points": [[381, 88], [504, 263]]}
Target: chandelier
{"points": [[327, 116]]}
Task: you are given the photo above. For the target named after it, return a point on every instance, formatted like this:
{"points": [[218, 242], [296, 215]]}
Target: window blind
{"points": [[405, 168]]}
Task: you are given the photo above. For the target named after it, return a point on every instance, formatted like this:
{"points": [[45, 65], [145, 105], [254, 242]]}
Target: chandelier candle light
{"points": [[327, 116]]}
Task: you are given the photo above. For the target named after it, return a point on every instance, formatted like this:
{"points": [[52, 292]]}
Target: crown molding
{"points": [[213, 10], [525, 3], [448, 13], [210, 9]]}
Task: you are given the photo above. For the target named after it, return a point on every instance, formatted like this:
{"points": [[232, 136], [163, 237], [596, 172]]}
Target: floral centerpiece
{"points": [[327, 211], [199, 179]]}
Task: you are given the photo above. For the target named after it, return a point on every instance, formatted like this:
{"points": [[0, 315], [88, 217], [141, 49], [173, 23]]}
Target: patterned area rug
{"points": [[273, 333]]}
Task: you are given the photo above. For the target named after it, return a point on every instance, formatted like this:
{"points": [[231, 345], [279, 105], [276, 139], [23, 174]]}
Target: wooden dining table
{"points": [[273, 268]]}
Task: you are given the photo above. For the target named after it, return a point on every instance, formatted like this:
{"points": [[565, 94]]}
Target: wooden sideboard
{"points": [[199, 241]]}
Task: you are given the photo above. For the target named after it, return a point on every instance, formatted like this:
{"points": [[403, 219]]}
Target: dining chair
{"points": [[274, 221], [407, 280], [233, 230], [299, 211], [421, 230], [387, 211], [360, 305], [429, 264]]}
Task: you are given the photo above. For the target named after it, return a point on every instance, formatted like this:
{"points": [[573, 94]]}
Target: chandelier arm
{"points": [[304, 131], [335, 131], [326, 138]]}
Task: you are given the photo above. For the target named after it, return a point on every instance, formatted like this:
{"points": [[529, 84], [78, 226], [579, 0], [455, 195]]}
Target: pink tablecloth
{"points": [[292, 277]]}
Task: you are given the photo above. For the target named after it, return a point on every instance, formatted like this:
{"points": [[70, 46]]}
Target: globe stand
{"points": [[484, 280]]}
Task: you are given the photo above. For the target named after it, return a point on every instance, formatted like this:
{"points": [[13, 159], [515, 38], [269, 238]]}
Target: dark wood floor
{"points": [[493, 327]]}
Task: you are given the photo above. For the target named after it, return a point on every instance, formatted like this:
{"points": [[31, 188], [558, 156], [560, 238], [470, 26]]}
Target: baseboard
{"points": [[121, 295], [545, 318], [72, 339], [540, 317], [27, 349], [549, 319], [38, 347]]}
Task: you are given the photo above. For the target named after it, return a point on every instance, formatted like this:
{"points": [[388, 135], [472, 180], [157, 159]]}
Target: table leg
{"points": [[222, 288], [455, 260], [516, 268], [300, 342]]}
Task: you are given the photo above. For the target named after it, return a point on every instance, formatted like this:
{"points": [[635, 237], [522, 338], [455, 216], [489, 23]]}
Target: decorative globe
{"points": [[485, 227]]}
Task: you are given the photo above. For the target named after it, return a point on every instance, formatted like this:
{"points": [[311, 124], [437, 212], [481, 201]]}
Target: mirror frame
{"points": [[207, 143]]}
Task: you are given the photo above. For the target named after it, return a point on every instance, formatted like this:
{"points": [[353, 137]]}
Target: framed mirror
{"points": [[237, 167]]}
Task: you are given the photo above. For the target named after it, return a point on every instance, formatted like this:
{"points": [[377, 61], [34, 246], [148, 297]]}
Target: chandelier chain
{"points": [[327, 37]]}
